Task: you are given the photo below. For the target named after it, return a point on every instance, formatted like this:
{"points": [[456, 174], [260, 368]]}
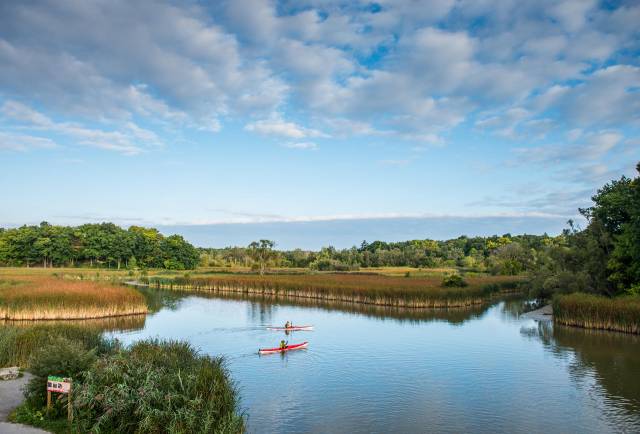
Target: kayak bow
{"points": [[282, 350]]}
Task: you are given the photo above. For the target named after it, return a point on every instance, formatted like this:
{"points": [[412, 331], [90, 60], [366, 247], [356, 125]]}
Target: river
{"points": [[371, 369]]}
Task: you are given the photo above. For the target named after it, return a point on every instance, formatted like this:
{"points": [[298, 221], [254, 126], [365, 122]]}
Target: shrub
{"points": [[157, 386], [453, 280], [61, 357]]}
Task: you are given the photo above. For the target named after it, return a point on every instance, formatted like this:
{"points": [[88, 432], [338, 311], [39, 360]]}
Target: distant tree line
{"points": [[98, 245], [504, 254]]}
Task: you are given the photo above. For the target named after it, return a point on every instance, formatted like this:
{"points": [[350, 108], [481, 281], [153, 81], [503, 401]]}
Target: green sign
{"points": [[58, 384]]}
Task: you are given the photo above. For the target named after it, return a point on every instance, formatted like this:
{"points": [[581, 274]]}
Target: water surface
{"points": [[371, 369]]}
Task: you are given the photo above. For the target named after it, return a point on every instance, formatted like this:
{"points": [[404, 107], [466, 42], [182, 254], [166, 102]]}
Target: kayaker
{"points": [[283, 344], [288, 325]]}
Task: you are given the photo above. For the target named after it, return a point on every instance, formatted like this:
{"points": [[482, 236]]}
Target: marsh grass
{"points": [[41, 297], [358, 288], [162, 386], [18, 344], [597, 312]]}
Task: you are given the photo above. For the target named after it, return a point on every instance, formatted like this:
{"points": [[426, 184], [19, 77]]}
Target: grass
{"points": [[42, 297], [151, 387], [18, 344], [590, 311], [352, 287]]}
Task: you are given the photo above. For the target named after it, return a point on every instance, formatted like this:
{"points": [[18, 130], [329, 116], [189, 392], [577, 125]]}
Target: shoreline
{"points": [[545, 313], [434, 303]]}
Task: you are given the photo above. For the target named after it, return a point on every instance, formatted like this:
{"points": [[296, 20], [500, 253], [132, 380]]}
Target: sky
{"points": [[205, 116]]}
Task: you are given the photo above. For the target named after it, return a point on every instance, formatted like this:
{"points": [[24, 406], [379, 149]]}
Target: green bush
{"points": [[157, 386], [453, 280], [61, 357]]}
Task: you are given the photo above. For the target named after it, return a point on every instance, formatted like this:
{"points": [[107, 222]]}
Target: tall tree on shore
{"points": [[262, 252]]}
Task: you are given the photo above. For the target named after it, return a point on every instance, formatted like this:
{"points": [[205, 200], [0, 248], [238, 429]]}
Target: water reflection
{"points": [[611, 359], [262, 309], [110, 324]]}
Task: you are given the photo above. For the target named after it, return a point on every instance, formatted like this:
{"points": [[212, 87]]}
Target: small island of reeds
{"points": [[598, 312], [418, 292], [38, 297]]}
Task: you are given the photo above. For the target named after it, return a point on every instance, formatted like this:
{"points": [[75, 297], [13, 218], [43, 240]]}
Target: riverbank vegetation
{"points": [[99, 245], [134, 389], [602, 260], [359, 288], [24, 297], [591, 311]]}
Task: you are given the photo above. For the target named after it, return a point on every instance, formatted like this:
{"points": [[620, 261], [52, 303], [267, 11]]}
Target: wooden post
{"points": [[48, 400], [69, 406]]}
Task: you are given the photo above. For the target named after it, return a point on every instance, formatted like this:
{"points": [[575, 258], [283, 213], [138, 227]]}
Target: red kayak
{"points": [[282, 350], [292, 328]]}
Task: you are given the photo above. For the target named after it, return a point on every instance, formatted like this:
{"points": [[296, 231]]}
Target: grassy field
{"points": [[351, 287], [597, 312], [38, 296]]}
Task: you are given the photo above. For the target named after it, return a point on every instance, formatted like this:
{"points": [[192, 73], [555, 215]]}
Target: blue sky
{"points": [[252, 111]]}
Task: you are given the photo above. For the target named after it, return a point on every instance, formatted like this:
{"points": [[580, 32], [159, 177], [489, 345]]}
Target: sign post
{"points": [[62, 385]]}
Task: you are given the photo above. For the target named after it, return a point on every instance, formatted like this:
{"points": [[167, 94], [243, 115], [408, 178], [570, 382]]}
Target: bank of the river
{"points": [[37, 297], [423, 292], [203, 398], [597, 312]]}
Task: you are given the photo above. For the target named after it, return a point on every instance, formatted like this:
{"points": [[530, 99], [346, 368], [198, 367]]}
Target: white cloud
{"points": [[301, 145], [129, 140], [24, 142], [276, 126]]}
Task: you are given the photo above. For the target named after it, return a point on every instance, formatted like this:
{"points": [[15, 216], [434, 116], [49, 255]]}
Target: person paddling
{"points": [[288, 325], [283, 344]]}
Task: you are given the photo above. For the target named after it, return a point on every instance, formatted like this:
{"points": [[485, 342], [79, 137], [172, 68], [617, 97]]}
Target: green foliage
{"points": [[604, 258], [18, 344], [60, 356], [157, 386], [95, 245], [504, 254], [454, 280]]}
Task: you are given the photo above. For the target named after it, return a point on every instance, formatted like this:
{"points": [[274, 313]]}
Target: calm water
{"points": [[379, 370]]}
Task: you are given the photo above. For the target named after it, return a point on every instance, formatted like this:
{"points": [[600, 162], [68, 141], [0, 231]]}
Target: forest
{"points": [[99, 245]]}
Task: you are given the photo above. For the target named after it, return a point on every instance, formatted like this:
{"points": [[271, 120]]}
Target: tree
{"points": [[261, 252]]}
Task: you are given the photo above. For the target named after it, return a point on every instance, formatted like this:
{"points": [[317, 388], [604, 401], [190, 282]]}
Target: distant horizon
{"points": [[346, 233]]}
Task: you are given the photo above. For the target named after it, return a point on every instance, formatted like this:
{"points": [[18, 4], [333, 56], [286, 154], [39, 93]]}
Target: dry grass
{"points": [[41, 297], [358, 288], [597, 312]]}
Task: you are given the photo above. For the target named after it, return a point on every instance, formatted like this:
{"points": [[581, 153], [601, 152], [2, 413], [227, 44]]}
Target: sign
{"points": [[58, 384]]}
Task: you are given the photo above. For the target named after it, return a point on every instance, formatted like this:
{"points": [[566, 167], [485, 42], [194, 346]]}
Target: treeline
{"points": [[506, 254], [604, 258], [96, 245]]}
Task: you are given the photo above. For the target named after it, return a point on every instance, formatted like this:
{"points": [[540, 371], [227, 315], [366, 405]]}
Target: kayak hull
{"points": [[285, 349], [292, 329]]}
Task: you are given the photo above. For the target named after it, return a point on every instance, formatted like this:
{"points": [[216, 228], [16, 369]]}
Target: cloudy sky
{"points": [[181, 113]]}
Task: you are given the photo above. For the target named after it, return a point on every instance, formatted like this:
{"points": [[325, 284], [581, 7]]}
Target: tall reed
{"points": [[358, 288], [48, 298], [591, 311], [17, 344]]}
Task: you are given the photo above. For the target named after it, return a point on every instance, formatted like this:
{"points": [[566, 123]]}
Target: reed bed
{"points": [[424, 292], [39, 297], [590, 311], [17, 344]]}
